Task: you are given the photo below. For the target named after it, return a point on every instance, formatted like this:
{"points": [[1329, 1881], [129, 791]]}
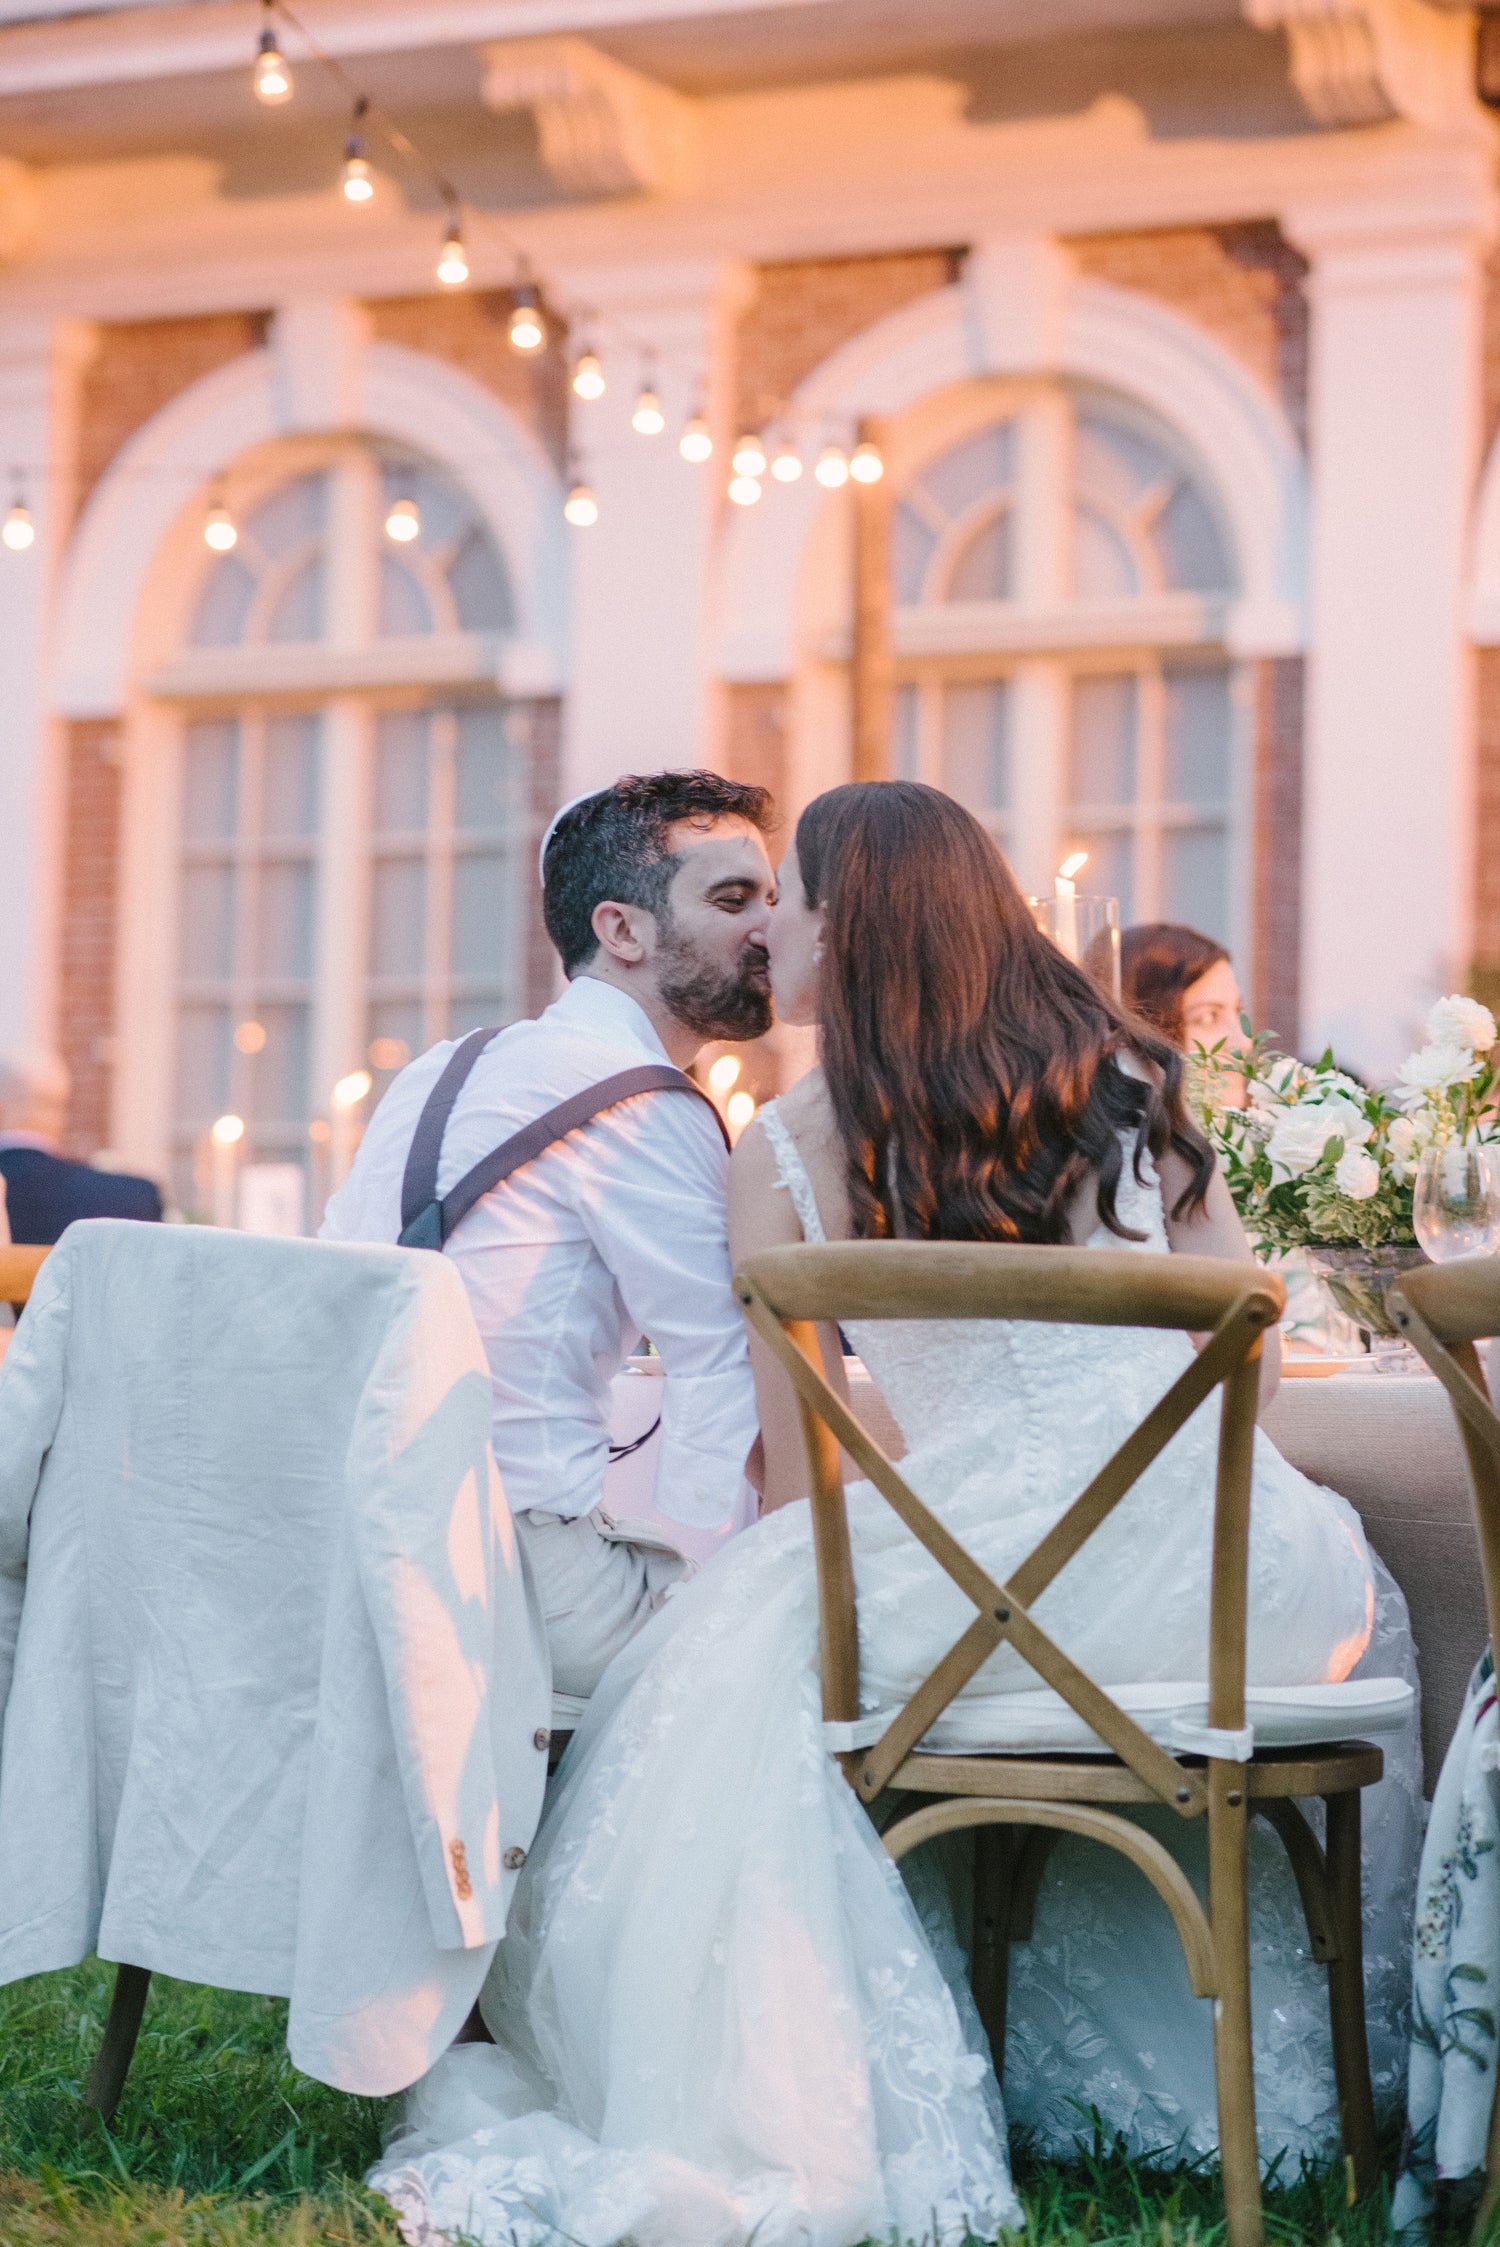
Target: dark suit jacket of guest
{"points": [[44, 1193]]}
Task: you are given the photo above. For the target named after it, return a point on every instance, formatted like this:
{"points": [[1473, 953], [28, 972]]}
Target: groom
{"points": [[656, 893]]}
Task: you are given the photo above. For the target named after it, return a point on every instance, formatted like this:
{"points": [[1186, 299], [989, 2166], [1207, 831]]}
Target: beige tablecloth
{"points": [[1388, 1443]]}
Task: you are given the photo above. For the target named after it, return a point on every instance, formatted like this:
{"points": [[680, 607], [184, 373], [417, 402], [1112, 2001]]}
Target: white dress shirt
{"points": [[615, 1232]]}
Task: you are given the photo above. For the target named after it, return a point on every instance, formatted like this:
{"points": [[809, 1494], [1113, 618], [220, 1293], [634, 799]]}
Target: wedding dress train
{"points": [[717, 2014]]}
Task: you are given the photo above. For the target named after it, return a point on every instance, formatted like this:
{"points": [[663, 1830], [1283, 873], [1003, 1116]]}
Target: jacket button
{"points": [[541, 1738], [513, 1859]]}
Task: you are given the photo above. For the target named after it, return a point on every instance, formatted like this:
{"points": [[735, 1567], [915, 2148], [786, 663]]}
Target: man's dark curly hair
{"points": [[614, 846]]}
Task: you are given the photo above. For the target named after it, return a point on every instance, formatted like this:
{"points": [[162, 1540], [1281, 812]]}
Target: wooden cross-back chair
{"points": [[1018, 1802], [19, 1266], [1443, 1310]]}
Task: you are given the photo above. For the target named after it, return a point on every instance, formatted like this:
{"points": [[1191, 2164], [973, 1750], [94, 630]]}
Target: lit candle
{"points": [[224, 1155], [1067, 902], [345, 1131]]}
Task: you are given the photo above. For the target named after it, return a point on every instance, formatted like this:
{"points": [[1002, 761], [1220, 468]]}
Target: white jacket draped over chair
{"points": [[274, 1696]]}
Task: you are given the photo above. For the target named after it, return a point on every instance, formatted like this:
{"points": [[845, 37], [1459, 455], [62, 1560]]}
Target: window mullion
{"points": [[437, 991], [1149, 783]]}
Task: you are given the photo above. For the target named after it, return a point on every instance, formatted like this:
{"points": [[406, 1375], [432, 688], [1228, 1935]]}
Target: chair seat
{"points": [[1040, 1722]]}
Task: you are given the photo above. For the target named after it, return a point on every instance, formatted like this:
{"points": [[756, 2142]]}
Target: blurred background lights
{"points": [[404, 522], [218, 528], [749, 456], [588, 376], [350, 1090], [648, 420], [786, 464], [18, 530], [249, 1037], [832, 468], [695, 443], [580, 507], [744, 491], [740, 1110], [452, 266], [527, 329], [866, 465], [724, 1072], [227, 1131]]}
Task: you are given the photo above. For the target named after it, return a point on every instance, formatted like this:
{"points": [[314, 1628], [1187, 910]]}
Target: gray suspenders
{"points": [[426, 1221]]}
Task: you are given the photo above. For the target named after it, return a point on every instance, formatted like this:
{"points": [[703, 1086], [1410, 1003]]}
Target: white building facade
{"points": [[1173, 325]]}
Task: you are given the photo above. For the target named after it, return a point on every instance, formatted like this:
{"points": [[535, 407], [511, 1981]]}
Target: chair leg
{"points": [[107, 2079], [995, 1852], [1346, 1991], [1234, 2065]]}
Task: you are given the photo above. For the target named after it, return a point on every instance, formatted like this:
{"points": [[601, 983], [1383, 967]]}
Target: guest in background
{"points": [[44, 1190], [1183, 983]]}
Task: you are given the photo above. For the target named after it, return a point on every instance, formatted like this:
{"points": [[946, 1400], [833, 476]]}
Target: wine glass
{"points": [[1456, 1201]]}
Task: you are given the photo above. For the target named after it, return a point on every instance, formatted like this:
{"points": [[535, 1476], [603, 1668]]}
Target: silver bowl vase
{"points": [[1357, 1282]]}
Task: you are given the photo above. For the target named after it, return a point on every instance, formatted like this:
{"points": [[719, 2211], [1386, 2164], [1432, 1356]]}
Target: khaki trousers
{"points": [[597, 1584]]}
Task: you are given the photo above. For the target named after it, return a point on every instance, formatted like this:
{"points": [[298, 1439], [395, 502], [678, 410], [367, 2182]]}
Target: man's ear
{"points": [[626, 933]]}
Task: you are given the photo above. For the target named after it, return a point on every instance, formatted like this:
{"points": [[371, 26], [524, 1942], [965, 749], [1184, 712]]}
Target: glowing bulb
{"points": [[749, 457], [350, 1090], [588, 376], [227, 1131], [249, 1037], [648, 420], [1072, 867], [740, 1110], [786, 464], [273, 81], [358, 185], [724, 1072], [866, 465], [18, 530], [527, 329], [453, 266], [695, 443], [580, 507], [744, 490], [218, 529], [403, 523], [832, 469], [389, 1053]]}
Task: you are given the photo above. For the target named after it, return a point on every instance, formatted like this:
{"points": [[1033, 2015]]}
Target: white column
{"points": [[642, 577], [1388, 819], [40, 365]]}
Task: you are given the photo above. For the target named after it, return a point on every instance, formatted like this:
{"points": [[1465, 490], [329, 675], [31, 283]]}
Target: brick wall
{"points": [[1486, 975], [469, 331], [754, 738], [140, 365], [804, 310], [86, 995], [537, 726], [1272, 987], [1244, 284]]}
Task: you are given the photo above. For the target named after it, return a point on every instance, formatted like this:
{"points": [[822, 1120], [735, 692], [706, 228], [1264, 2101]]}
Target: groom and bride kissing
{"points": [[719, 2011]]}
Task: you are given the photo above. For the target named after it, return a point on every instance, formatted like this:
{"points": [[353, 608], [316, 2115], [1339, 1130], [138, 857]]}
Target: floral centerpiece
{"points": [[1319, 1162]]}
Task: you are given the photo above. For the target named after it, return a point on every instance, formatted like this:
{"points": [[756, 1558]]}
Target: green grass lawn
{"points": [[219, 2142]]}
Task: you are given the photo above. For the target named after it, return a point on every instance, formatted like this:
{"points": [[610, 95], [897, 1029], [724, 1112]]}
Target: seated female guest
{"points": [[1183, 983]]}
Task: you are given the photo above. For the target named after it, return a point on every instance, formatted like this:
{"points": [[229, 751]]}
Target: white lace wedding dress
{"points": [[718, 2016]]}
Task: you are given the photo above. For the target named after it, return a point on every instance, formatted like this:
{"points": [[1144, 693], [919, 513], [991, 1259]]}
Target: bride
{"points": [[718, 2012]]}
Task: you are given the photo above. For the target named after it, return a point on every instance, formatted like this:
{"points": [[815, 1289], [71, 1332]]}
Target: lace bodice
{"points": [[937, 1374]]}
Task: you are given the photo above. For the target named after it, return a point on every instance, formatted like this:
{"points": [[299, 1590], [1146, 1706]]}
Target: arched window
{"points": [[1061, 579], [356, 821]]}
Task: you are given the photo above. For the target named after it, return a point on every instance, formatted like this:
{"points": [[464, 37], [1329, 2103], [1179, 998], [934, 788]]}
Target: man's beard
{"points": [[714, 1005]]}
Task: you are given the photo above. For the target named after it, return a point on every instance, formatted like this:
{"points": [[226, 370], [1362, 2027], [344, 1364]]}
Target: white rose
{"points": [[1460, 1021], [1297, 1142], [1438, 1066], [1346, 1117], [1357, 1174]]}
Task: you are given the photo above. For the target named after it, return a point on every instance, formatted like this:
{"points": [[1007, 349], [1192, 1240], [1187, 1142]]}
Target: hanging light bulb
{"points": [[528, 329], [580, 507], [358, 185], [744, 490], [832, 468], [695, 443], [219, 530], [648, 420], [588, 376], [273, 80], [404, 522], [749, 456], [453, 266], [18, 530], [786, 464], [866, 465]]}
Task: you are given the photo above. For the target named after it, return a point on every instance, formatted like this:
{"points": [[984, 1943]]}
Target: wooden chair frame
{"points": [[1443, 1310], [19, 1266], [1017, 1804]]}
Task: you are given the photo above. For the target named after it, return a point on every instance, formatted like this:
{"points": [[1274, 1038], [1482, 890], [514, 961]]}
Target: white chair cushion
{"points": [[1040, 1722]]}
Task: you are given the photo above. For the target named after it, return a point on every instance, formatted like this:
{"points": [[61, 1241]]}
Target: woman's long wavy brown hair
{"points": [[968, 1060]]}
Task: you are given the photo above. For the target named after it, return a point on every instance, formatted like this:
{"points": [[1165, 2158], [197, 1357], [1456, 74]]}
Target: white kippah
{"points": [[556, 821]]}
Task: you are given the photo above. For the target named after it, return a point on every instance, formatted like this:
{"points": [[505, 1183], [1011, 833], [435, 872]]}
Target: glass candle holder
{"points": [[1087, 929]]}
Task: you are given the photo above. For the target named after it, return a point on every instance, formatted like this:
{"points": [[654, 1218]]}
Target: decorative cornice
{"points": [[603, 129], [1363, 62]]}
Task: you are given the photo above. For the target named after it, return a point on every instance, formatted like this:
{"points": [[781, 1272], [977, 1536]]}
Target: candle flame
{"points": [[1073, 865]]}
